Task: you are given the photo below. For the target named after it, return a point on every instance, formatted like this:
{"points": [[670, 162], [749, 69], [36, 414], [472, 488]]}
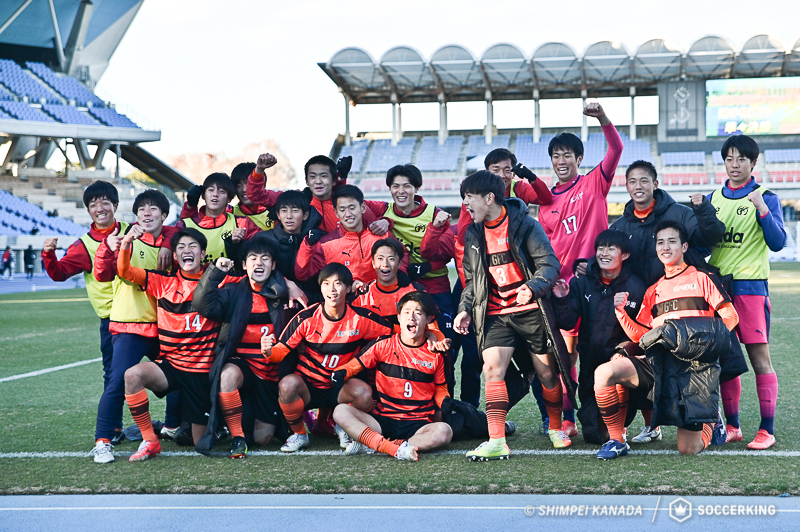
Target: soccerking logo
{"points": [[680, 509]]}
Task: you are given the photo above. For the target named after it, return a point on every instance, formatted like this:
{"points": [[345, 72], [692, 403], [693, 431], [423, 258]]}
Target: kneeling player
{"points": [[410, 381], [186, 339]]}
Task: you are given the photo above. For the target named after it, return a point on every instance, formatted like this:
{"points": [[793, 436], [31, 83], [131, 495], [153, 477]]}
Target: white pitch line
{"points": [[49, 370], [521, 452], [51, 332], [376, 507]]}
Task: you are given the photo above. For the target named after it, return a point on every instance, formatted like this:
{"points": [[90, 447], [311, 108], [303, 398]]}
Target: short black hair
{"points": [[258, 246], [290, 199], [482, 182], [423, 298], [644, 165], [152, 197], [497, 155], [347, 191], [566, 142], [613, 237], [220, 180], [393, 243], [409, 170], [672, 224], [192, 233], [241, 172], [100, 190], [341, 272], [321, 159], [744, 145]]}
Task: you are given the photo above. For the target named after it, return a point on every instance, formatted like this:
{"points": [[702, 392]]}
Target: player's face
{"points": [[669, 247], [350, 212], [386, 264], [609, 258], [292, 218], [413, 320], [102, 212], [565, 164], [216, 199], [259, 267], [150, 218], [241, 193], [333, 291], [478, 206], [189, 255], [504, 169], [320, 181], [738, 167], [640, 185], [403, 191]]}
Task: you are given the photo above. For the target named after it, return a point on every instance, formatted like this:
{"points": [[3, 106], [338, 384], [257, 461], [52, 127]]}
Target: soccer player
{"points": [[753, 217], [508, 264], [132, 320], [682, 292], [589, 299], [350, 244], [258, 214], [331, 333], [411, 384], [250, 309], [185, 338]]}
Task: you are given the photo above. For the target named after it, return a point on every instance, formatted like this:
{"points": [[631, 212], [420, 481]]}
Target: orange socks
{"points": [[553, 401], [608, 404], [375, 441], [231, 404], [622, 392], [708, 431], [140, 410], [496, 408], [293, 412]]}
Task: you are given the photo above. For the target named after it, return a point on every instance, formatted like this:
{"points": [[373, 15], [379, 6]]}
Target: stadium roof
{"points": [[504, 72]]}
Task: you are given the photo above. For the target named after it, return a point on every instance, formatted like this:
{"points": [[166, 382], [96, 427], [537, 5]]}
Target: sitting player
{"points": [[185, 338], [331, 333], [250, 309], [410, 384], [683, 292]]}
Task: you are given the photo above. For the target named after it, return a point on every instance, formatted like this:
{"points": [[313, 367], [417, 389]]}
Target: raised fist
{"points": [[343, 167], [442, 217], [265, 160], [224, 264], [193, 195], [524, 172], [50, 245]]}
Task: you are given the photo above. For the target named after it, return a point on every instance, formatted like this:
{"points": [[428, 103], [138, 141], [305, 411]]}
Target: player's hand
{"points": [[314, 236], [296, 294], [338, 378], [164, 262], [343, 167], [524, 295], [224, 264], [50, 245], [193, 195], [619, 300], [696, 199], [267, 341], [135, 232], [524, 172], [379, 227], [581, 268], [561, 288], [238, 235], [113, 240], [462, 322], [758, 200], [440, 346], [448, 405], [264, 161], [596, 110], [416, 271], [617, 356], [359, 287], [442, 217]]}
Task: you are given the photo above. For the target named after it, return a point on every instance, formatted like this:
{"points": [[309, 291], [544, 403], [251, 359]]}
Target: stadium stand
{"points": [[782, 156], [70, 115], [23, 111], [685, 178], [533, 154], [384, 155], [23, 84], [373, 184], [684, 158], [18, 217], [784, 176], [477, 149], [434, 158], [68, 87], [112, 118], [357, 150], [634, 150]]}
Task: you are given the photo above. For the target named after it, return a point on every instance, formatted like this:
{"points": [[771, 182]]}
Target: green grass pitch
{"points": [[55, 412]]}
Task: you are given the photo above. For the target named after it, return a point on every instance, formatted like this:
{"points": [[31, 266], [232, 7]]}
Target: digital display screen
{"points": [[753, 106]]}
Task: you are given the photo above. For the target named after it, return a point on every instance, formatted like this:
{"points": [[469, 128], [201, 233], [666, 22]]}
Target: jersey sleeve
{"points": [[132, 273], [75, 260], [370, 357], [714, 294], [609, 164], [375, 326], [290, 338], [105, 263], [309, 261], [257, 192]]}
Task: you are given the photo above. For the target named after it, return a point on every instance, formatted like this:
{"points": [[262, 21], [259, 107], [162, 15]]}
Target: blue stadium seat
{"points": [[111, 118], [69, 88], [434, 158], [783, 156], [684, 158], [23, 84], [70, 115], [24, 111], [384, 155], [18, 217], [358, 150]]}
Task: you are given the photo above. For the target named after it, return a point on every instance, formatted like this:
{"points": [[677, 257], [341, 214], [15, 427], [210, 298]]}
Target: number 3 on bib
{"points": [[570, 220]]}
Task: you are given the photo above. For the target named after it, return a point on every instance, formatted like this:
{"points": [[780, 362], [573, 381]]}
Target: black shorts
{"points": [[503, 330], [644, 372], [399, 429], [263, 394], [321, 397], [195, 389]]}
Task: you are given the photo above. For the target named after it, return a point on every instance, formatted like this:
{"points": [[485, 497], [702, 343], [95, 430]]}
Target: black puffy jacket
{"points": [[701, 223], [684, 354]]}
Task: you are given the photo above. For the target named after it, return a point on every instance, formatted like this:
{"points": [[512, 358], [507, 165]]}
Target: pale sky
{"points": [[216, 76]]}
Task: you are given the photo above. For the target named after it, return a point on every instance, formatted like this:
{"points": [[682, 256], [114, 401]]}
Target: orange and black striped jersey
{"points": [[259, 324], [329, 343], [408, 380], [187, 339], [382, 300], [505, 275]]}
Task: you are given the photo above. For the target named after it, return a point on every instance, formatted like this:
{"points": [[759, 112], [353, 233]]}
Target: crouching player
{"points": [[411, 384], [683, 292], [186, 339]]}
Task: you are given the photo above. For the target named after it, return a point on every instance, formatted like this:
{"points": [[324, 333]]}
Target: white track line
{"points": [[376, 507], [521, 452], [49, 370]]}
